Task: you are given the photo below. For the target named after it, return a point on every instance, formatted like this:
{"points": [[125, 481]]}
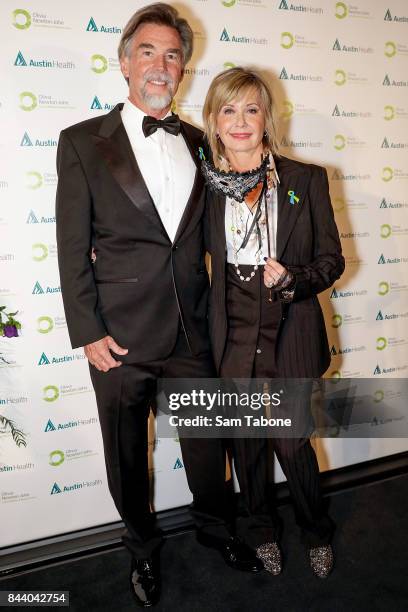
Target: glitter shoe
{"points": [[271, 556], [321, 560]]}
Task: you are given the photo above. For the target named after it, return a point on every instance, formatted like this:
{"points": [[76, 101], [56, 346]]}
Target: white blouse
{"points": [[240, 218]]}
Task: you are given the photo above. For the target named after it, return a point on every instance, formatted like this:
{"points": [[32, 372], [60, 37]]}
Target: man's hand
{"points": [[274, 274], [99, 355]]}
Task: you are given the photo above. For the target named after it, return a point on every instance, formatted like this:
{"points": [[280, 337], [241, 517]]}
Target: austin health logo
{"points": [[178, 465], [44, 360], [224, 36], [37, 290], [92, 27], [55, 489], [20, 61], [32, 219], [388, 17], [97, 105], [50, 426], [379, 316], [299, 8], [392, 82], [26, 141], [377, 370]]}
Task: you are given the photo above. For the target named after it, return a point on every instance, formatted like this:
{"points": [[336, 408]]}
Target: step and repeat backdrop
{"points": [[340, 79]]}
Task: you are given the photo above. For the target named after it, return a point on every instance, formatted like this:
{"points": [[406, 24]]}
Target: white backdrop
{"points": [[338, 72]]}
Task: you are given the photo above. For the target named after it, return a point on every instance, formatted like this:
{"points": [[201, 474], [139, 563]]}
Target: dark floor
{"points": [[371, 571]]}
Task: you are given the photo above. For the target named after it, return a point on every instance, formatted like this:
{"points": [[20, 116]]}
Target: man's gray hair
{"points": [[161, 14]]}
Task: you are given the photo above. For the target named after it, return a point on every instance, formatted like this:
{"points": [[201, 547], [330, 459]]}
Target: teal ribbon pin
{"points": [[293, 197], [201, 153]]}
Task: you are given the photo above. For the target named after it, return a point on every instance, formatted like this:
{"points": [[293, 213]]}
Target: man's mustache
{"points": [[158, 75]]}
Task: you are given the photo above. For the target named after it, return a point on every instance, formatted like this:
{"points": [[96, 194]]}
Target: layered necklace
{"points": [[237, 185]]}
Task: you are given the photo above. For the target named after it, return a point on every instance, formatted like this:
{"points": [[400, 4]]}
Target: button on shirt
{"points": [[166, 166], [245, 217]]}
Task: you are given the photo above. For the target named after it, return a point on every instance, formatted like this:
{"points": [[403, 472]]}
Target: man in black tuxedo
{"points": [[130, 202]]}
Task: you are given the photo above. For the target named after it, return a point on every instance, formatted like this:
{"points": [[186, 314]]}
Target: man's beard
{"points": [[157, 101]]}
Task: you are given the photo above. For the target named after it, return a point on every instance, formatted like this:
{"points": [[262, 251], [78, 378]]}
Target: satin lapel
{"points": [[217, 203], [192, 210], [114, 146], [292, 178]]}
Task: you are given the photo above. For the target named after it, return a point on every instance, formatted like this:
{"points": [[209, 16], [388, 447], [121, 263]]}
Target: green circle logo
{"points": [[340, 77], [35, 180], [99, 63], [40, 251], [228, 65], [341, 10], [381, 343], [288, 109], [21, 19], [387, 174], [339, 142], [56, 458], [51, 393], [287, 40], [383, 288], [28, 101], [337, 320], [335, 375], [228, 4], [389, 112], [385, 230], [390, 49], [378, 396], [45, 325], [338, 204]]}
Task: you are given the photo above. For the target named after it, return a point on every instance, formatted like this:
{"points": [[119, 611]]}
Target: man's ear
{"points": [[124, 66]]}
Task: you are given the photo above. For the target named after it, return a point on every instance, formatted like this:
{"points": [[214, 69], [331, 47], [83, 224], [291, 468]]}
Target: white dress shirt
{"points": [[241, 220], [166, 166]]}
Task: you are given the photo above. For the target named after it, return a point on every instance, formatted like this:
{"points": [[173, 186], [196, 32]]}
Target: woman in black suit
{"points": [[274, 246]]}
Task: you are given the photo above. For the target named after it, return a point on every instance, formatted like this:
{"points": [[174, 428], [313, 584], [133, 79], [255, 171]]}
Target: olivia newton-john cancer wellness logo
{"points": [[23, 20]]}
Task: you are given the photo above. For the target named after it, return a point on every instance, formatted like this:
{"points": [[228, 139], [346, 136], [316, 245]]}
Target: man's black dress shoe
{"points": [[235, 552], [144, 582]]}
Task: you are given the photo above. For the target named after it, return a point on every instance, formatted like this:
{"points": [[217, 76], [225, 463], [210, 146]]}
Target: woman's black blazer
{"points": [[308, 245]]}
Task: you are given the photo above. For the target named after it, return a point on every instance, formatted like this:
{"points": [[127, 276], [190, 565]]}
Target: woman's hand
{"points": [[276, 275]]}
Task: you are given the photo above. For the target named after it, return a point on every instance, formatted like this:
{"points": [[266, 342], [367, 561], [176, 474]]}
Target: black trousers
{"points": [[250, 352], [124, 396]]}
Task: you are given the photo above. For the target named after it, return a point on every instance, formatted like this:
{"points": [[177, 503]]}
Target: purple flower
{"points": [[10, 331]]}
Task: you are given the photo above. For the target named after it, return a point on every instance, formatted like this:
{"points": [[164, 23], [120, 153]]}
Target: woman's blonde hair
{"points": [[224, 88]]}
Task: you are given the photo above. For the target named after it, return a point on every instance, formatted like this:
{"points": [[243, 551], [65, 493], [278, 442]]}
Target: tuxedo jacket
{"points": [[308, 245], [141, 284]]}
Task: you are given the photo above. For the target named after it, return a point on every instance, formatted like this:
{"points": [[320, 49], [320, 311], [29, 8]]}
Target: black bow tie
{"points": [[170, 124]]}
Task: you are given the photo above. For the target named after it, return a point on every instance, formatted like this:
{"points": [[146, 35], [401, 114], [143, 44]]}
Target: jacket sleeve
{"points": [[74, 241], [328, 262]]}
